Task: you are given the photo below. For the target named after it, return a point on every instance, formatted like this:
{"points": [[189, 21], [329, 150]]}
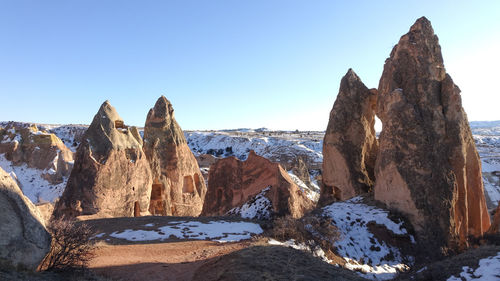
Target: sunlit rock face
{"points": [[232, 183], [23, 143], [350, 145], [427, 166], [111, 176], [178, 187]]}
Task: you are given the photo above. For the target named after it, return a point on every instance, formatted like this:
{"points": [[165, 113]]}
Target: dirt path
{"points": [[159, 261]]}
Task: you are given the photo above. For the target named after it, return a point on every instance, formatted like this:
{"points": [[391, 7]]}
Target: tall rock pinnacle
{"points": [[178, 186], [350, 144], [111, 176], [427, 167]]}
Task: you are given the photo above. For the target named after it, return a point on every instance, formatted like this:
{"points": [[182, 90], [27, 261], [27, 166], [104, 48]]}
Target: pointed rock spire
{"points": [[427, 167], [349, 145], [178, 187], [111, 176]]}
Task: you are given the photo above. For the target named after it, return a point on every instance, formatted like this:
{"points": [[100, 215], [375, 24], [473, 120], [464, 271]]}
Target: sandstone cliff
{"points": [[232, 183]]}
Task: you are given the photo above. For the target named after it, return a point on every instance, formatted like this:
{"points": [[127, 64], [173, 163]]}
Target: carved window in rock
{"points": [[157, 204], [188, 185], [120, 126], [137, 209], [156, 190]]}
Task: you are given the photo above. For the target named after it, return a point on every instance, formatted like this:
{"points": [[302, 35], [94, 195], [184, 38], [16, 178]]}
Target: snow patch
{"points": [[220, 231], [30, 180], [489, 269], [311, 193], [258, 207], [359, 247]]}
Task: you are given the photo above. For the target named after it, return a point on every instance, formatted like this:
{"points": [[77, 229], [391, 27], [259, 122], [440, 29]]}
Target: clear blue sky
{"points": [[226, 64]]}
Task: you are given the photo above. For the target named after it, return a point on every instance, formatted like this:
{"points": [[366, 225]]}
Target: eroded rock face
{"points": [[232, 183], [427, 167], [26, 144], [350, 145], [111, 176], [495, 224], [302, 171], [23, 237], [178, 186]]}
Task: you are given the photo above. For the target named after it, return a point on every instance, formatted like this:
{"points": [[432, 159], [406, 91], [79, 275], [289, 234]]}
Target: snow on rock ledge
{"points": [[358, 245], [258, 207], [489, 269]]}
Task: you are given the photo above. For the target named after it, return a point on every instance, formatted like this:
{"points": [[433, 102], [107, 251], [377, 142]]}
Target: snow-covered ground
{"points": [[69, 134], [278, 146], [31, 182], [221, 231], [359, 247], [491, 128], [489, 269]]}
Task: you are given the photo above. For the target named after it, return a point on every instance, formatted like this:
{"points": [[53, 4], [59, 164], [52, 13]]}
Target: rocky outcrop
{"points": [[427, 167], [111, 176], [302, 171], [25, 144], [350, 145], [178, 188], [232, 183], [24, 241], [495, 224]]}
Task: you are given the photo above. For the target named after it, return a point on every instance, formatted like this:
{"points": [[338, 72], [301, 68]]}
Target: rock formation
{"points": [[302, 171], [350, 145], [427, 167], [231, 183], [25, 144], [495, 224], [178, 187], [23, 238], [111, 176]]}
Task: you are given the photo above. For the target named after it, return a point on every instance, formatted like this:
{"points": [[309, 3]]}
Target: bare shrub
{"points": [[321, 230], [71, 245]]}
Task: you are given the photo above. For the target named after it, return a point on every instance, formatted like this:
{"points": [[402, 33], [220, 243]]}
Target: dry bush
{"points": [[71, 246], [318, 229]]}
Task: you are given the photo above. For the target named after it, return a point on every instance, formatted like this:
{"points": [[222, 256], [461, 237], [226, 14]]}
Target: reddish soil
{"points": [[171, 259], [159, 261]]}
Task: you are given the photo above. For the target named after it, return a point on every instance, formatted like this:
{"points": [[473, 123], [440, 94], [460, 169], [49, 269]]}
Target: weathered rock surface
{"points": [[232, 183], [427, 167], [495, 224], [178, 187], [205, 160], [350, 145], [111, 176], [302, 171], [23, 238], [26, 144]]}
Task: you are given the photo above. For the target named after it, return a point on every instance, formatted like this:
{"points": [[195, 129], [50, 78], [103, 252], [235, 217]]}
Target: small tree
{"points": [[71, 246]]}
